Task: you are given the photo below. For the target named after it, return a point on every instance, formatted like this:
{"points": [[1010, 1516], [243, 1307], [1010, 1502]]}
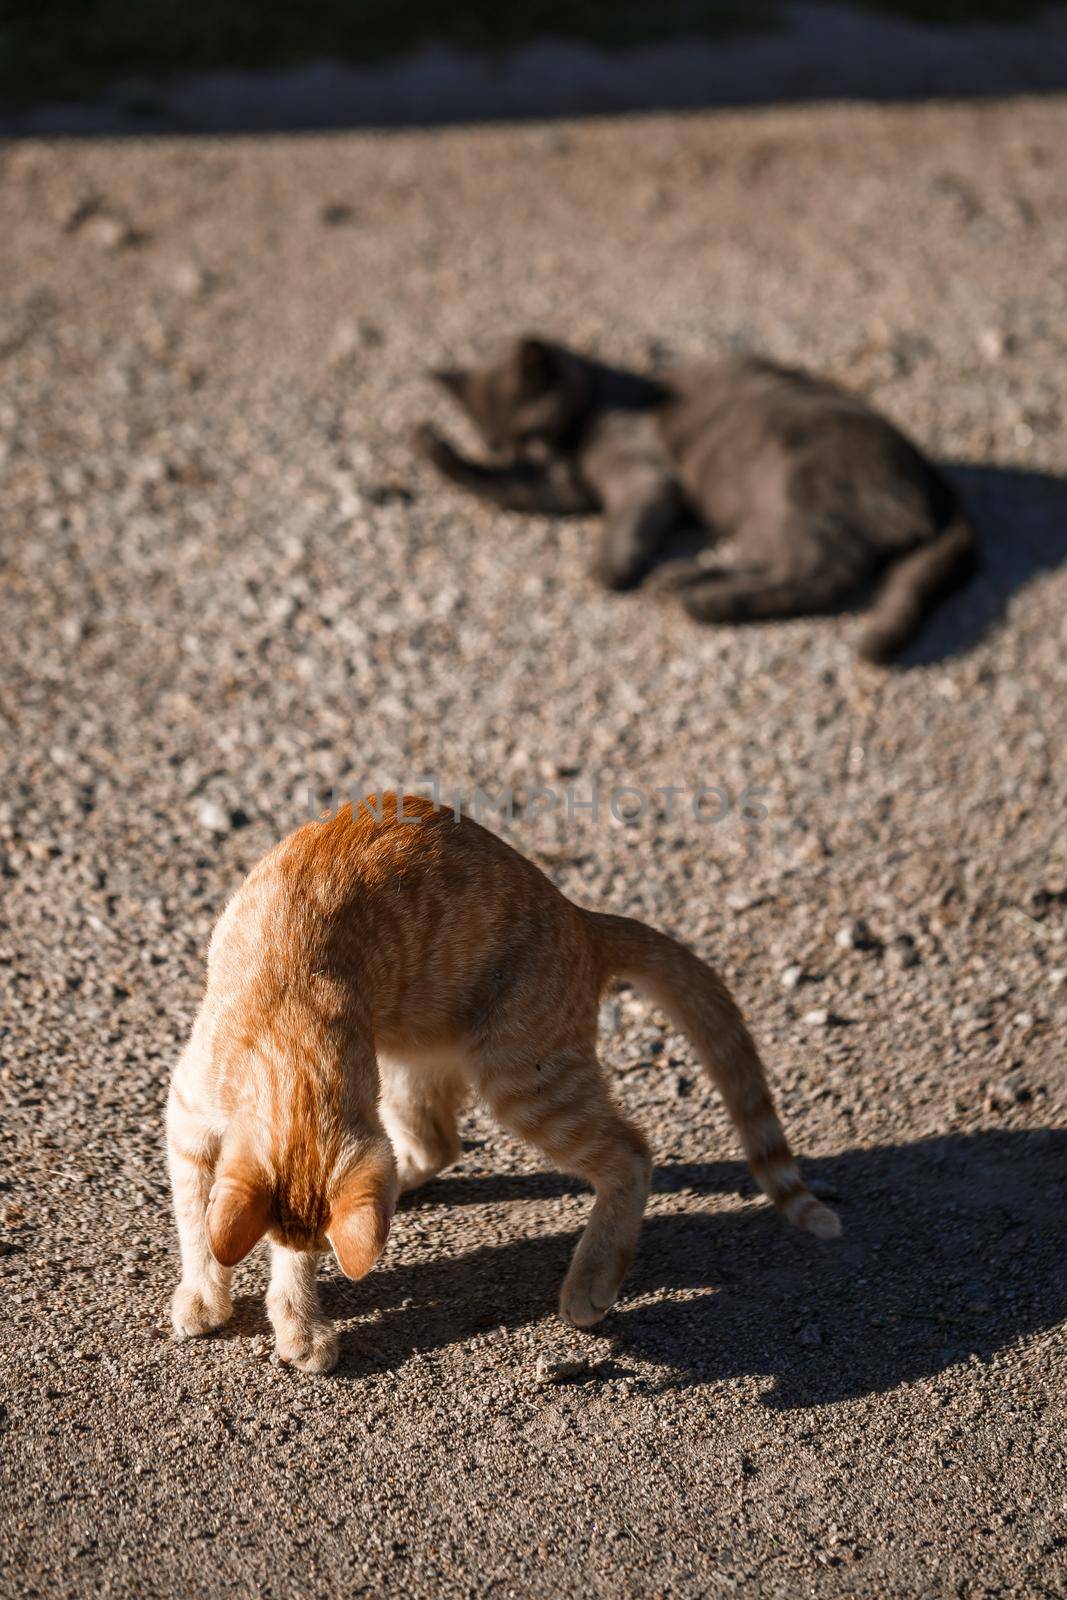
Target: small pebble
{"points": [[792, 977], [107, 233], [79, 211], [189, 279], [902, 950], [1012, 1090], [992, 343], [818, 1018], [213, 817], [855, 935], [548, 1372], [810, 1335], [337, 213]]}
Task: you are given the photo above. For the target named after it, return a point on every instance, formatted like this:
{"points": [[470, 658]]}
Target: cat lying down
{"points": [[817, 494]]}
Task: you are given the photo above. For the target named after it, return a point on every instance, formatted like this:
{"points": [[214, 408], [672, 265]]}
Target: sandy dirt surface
{"points": [[225, 580]]}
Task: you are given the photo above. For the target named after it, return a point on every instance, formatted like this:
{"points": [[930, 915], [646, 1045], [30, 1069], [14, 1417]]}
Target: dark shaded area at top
{"points": [[125, 66]]}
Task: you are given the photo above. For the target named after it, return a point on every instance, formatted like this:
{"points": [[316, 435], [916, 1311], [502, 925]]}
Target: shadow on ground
{"points": [[954, 1249], [111, 68], [1021, 522]]}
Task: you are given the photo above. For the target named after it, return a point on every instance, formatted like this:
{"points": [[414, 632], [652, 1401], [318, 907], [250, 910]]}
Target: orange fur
{"points": [[238, 1212], [370, 974], [360, 1214]]}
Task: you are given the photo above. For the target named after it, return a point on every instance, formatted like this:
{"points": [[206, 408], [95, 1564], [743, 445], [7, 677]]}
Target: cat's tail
{"points": [[914, 586], [699, 1004]]}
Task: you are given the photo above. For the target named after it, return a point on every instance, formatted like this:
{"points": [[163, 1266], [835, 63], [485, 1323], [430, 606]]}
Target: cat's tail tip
{"points": [[779, 1177], [804, 1211], [915, 585]]}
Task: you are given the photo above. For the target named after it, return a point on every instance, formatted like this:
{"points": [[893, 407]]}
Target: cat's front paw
{"points": [[310, 1347], [197, 1310]]}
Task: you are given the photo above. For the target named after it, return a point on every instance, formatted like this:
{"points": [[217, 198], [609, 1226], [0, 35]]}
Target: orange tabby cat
{"points": [[369, 974]]}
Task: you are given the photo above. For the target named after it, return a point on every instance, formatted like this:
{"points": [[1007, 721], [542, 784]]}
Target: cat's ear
{"points": [[536, 363], [454, 379], [238, 1212], [361, 1211]]}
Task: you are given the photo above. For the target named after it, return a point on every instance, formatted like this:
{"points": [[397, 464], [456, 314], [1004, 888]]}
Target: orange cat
{"points": [[367, 977]]}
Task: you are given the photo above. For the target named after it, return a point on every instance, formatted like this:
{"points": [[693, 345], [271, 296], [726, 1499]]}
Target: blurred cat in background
{"points": [[818, 495]]}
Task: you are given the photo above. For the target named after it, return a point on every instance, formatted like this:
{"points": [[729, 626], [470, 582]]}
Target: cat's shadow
{"points": [[1020, 519], [954, 1249]]}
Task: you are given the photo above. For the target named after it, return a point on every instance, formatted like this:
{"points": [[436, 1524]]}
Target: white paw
{"points": [[417, 1163], [196, 1311], [412, 1174], [310, 1348], [586, 1297]]}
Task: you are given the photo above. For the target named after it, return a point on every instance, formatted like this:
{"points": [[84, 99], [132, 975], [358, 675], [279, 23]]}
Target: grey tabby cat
{"points": [[818, 494]]}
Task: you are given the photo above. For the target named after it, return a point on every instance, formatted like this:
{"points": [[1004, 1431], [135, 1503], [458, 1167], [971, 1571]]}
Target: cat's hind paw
{"points": [[195, 1312], [587, 1297]]}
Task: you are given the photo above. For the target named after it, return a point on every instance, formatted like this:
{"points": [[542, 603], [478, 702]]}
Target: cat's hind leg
{"points": [[304, 1337], [420, 1103], [560, 1104], [201, 1302], [732, 596]]}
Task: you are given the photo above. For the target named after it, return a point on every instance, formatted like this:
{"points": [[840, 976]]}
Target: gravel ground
{"points": [[225, 580]]}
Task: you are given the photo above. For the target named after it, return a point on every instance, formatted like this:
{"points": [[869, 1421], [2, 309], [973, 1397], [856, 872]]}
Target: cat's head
{"points": [[347, 1206], [529, 397]]}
